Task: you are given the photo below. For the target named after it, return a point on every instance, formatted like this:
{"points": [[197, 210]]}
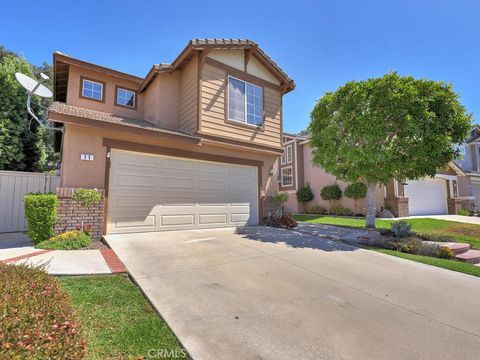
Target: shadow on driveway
{"points": [[296, 239]]}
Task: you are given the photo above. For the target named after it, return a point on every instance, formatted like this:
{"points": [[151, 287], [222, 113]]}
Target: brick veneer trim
{"points": [[69, 213]]}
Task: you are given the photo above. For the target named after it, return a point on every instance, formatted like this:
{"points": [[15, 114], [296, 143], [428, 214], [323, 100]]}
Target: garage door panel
{"points": [[178, 219], [170, 193]]}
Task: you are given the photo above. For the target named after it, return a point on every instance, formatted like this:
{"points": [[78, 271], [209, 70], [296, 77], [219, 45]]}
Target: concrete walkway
{"points": [[17, 248], [458, 218]]}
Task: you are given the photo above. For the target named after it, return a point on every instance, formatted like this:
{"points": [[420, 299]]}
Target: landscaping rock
{"points": [[386, 214]]}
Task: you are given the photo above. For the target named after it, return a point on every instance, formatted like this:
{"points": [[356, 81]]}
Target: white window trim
{"points": [[291, 154], [134, 98], [245, 102], [93, 82], [281, 176]]}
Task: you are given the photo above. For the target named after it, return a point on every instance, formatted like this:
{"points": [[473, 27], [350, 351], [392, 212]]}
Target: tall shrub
{"points": [[86, 198], [330, 193], [356, 191], [305, 194], [41, 214], [280, 198]]}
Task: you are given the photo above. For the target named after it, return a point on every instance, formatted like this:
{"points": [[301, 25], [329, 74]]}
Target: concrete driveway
{"points": [[262, 293]]}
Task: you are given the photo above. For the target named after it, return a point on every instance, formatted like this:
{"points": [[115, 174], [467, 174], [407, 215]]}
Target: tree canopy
{"points": [[393, 126], [23, 144]]}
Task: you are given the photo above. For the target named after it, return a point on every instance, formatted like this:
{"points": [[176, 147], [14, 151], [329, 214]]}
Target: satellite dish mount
{"points": [[35, 87]]}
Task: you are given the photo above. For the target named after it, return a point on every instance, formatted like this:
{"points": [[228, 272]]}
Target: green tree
{"points": [[330, 193], [23, 144], [86, 198], [393, 126], [356, 191], [305, 194]]}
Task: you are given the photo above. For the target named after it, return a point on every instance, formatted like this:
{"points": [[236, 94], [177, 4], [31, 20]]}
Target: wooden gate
{"points": [[13, 186]]}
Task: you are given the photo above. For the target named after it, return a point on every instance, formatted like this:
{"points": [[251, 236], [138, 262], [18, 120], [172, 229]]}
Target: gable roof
{"points": [[196, 45]]}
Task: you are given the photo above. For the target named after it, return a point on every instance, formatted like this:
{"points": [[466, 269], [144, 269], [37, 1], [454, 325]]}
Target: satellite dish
{"points": [[33, 86]]}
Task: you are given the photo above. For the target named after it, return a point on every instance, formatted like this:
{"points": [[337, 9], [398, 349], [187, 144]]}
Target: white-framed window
{"points": [[125, 97], [245, 102], [287, 155], [92, 89], [286, 176], [455, 188]]}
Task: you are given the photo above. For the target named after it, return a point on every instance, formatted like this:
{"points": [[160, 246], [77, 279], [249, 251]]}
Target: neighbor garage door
{"points": [[476, 190], [427, 197], [155, 193]]}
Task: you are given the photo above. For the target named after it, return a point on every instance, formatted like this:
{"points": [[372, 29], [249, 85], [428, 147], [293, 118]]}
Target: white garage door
{"points": [[155, 193], [427, 197], [476, 191]]}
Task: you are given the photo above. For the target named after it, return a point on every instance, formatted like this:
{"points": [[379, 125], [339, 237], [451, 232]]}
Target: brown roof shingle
{"points": [[75, 111]]}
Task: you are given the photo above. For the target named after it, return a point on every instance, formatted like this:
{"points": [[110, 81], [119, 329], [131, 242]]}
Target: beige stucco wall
{"points": [[80, 139], [318, 178], [73, 93], [162, 100]]}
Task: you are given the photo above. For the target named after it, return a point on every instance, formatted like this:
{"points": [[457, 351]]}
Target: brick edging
{"points": [[114, 263], [26, 256]]}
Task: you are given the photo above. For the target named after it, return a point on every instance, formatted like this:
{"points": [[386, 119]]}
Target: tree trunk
{"points": [[370, 216]]}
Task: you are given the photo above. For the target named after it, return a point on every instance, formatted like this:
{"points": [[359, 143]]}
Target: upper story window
{"points": [[93, 89], [245, 102], [286, 176], [125, 97], [287, 155]]}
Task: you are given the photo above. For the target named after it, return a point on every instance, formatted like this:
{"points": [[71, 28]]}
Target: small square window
{"points": [[125, 97], [92, 89]]}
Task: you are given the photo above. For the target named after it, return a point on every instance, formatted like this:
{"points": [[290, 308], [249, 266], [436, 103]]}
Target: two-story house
{"points": [[468, 167], [193, 144], [446, 193]]}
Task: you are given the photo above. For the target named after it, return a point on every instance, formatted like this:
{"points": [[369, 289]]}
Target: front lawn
{"points": [[117, 320], [460, 232], [443, 263]]}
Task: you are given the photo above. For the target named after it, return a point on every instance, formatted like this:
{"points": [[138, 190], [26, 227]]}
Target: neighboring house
{"points": [[429, 196], [194, 144], [468, 167]]}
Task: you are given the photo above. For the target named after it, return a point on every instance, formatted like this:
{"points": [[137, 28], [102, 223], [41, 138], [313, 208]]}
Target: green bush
{"points": [[316, 209], [305, 194], [69, 240], [340, 210], [331, 192], [446, 253], [41, 214], [401, 229], [36, 318], [86, 198], [413, 245], [280, 197], [463, 212], [356, 191]]}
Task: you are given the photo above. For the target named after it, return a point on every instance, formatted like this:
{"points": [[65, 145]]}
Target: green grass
{"points": [[442, 263], [460, 232], [117, 320]]}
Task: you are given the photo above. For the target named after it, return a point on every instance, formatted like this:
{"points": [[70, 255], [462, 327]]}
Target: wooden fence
{"points": [[13, 186]]}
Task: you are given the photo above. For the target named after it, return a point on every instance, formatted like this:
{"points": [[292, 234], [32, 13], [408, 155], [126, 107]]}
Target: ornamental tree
{"points": [[330, 193], [393, 126], [356, 191]]}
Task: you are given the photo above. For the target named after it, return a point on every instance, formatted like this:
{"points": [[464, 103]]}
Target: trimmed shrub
{"points": [[280, 197], [285, 221], [356, 191], [69, 240], [331, 192], [340, 210], [305, 194], [37, 320], [463, 212], [41, 214], [86, 198], [413, 245], [401, 229], [316, 209]]}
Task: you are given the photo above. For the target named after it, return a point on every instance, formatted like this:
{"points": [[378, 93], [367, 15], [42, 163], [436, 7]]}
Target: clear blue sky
{"points": [[320, 44]]}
